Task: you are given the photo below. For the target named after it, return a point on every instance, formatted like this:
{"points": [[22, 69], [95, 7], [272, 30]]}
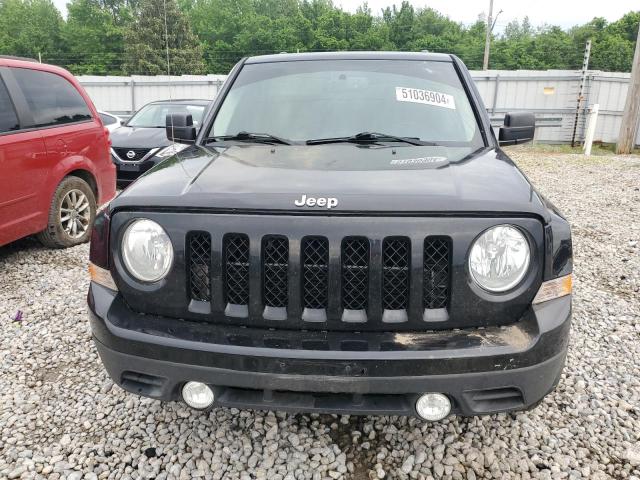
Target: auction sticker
{"points": [[417, 161], [427, 97]]}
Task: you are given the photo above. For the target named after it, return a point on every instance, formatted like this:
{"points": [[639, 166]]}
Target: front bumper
{"points": [[481, 370], [128, 172]]}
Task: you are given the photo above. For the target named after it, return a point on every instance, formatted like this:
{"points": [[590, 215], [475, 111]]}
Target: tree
{"points": [[127, 36], [401, 24], [612, 53], [217, 23], [29, 28], [516, 31], [94, 37], [146, 42]]}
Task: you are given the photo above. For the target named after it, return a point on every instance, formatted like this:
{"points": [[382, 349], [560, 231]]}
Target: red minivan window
{"points": [[52, 99], [8, 117]]}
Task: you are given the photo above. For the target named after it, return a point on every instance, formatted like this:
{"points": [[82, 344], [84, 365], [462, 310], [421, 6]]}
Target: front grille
{"points": [[137, 153], [200, 266], [275, 261], [436, 280], [368, 281]]}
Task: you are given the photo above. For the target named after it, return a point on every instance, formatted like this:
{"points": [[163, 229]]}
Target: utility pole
{"points": [[631, 115], [487, 39]]}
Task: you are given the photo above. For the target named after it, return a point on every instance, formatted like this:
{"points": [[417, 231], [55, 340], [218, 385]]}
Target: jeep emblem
{"points": [[328, 202]]}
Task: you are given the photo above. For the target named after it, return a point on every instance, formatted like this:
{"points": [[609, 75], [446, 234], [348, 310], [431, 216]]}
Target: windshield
{"points": [[308, 100], [155, 115]]}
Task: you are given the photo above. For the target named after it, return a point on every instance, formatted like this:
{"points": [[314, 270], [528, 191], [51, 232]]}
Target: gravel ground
{"points": [[61, 417]]}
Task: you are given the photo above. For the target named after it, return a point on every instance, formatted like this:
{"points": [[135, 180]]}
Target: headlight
{"points": [[146, 250], [499, 258], [171, 150]]}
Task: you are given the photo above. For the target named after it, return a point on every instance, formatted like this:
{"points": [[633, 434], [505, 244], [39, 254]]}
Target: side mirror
{"points": [[519, 127], [179, 128]]}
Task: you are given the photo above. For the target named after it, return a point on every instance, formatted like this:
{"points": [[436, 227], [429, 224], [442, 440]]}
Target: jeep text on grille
{"points": [[342, 234]]}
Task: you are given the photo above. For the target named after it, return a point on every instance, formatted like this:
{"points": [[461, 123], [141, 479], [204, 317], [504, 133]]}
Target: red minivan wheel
{"points": [[71, 215]]}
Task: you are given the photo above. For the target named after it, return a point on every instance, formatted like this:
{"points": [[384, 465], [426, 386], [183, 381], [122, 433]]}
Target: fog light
{"points": [[197, 395], [433, 406]]}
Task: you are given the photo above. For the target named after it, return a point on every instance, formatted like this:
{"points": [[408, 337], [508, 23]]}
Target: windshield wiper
{"points": [[253, 137], [368, 137]]}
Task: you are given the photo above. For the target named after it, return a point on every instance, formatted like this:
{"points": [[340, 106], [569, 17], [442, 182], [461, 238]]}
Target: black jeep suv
{"points": [[344, 234]]}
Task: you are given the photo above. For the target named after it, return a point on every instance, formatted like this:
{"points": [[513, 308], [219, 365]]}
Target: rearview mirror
{"points": [[179, 127], [519, 127]]}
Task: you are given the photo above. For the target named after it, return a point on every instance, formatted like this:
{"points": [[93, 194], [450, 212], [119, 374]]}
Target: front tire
{"points": [[71, 215]]}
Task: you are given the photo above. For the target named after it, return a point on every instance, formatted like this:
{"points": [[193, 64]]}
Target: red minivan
{"points": [[55, 165]]}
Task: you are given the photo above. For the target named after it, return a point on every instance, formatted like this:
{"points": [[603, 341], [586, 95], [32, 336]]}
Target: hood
{"points": [[399, 180], [139, 137]]}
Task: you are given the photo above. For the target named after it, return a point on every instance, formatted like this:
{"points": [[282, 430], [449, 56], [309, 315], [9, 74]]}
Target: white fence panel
{"points": [[551, 94], [124, 95]]}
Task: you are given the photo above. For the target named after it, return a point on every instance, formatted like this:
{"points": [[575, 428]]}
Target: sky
{"points": [[564, 13]]}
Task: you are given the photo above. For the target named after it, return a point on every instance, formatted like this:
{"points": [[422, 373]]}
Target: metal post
{"points": [[591, 128], [583, 79], [495, 94], [487, 38], [133, 95]]}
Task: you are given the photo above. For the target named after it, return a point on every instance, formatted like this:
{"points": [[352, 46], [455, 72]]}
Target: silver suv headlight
{"points": [[499, 258], [146, 250]]}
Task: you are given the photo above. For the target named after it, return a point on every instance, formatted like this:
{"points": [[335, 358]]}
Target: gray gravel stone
{"points": [[62, 417]]}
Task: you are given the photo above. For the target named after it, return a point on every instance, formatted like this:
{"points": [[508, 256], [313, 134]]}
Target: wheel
{"points": [[71, 215]]}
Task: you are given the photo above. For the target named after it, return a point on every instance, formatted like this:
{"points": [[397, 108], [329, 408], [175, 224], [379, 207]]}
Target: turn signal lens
{"points": [[102, 277], [556, 288]]}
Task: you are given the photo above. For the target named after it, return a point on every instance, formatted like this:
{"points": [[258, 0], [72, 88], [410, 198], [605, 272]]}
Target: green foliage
{"points": [[127, 36], [94, 37], [30, 27], [145, 42]]}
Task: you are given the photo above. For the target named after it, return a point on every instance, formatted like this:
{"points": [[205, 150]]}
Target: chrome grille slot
{"points": [[131, 154], [236, 274], [355, 279], [200, 266], [275, 281], [315, 281], [396, 257], [436, 280]]}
